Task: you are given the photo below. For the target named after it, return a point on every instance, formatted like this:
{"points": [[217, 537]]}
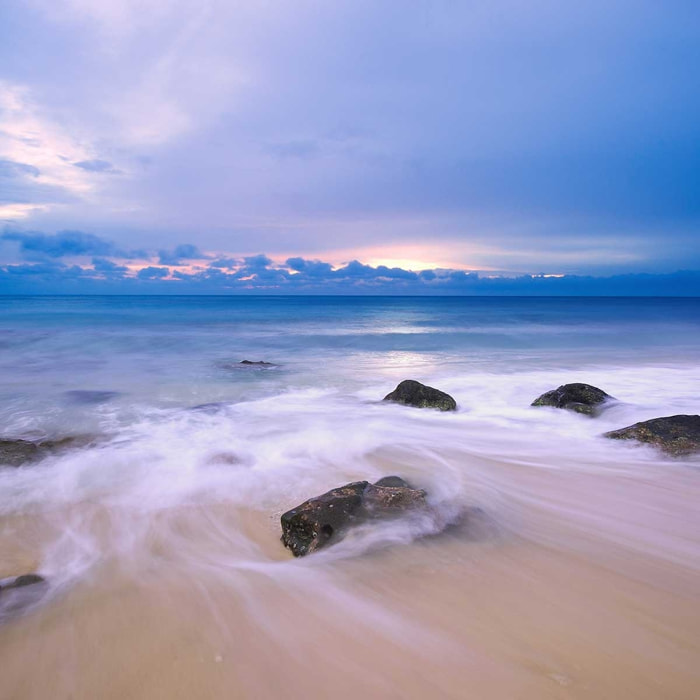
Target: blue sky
{"points": [[423, 147]]}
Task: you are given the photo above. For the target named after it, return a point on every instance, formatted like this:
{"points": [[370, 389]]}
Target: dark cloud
{"points": [[312, 268], [96, 166], [357, 270], [47, 271], [300, 276], [257, 262], [184, 251], [62, 244], [34, 245], [108, 268], [153, 273]]}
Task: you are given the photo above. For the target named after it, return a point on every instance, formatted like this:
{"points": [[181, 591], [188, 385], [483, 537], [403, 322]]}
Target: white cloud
{"points": [[29, 137]]}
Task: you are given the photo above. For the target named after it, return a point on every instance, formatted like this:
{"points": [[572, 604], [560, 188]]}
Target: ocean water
{"points": [[188, 459]]}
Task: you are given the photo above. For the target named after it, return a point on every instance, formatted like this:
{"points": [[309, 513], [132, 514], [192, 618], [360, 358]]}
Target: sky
{"points": [[350, 146]]}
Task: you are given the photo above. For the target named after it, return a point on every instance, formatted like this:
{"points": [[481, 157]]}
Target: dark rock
{"points": [[20, 595], [212, 407], [90, 398], [325, 519], [16, 452], [247, 365], [582, 398], [24, 580], [393, 481], [676, 435], [412, 393]]}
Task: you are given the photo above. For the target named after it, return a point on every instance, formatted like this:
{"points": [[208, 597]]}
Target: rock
{"points": [[676, 435], [20, 595], [90, 398], [325, 519], [15, 453], [211, 407], [393, 481], [24, 580], [246, 365], [582, 398], [412, 393]]}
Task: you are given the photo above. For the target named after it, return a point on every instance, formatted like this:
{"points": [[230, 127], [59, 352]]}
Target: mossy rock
{"points": [[325, 519], [15, 453], [412, 393], [581, 398], [675, 435]]}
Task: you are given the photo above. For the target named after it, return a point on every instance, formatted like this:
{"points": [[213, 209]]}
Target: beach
{"points": [[558, 564]]}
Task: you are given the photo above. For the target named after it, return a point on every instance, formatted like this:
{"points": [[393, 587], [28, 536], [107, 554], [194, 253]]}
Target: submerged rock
{"points": [[211, 407], [20, 595], [23, 580], [412, 393], [676, 435], [246, 365], [89, 397], [325, 519], [582, 398], [15, 453]]}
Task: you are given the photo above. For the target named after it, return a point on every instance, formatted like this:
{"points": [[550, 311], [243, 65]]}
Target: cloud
{"points": [[33, 143], [153, 273], [96, 166], [184, 251], [564, 135], [35, 245], [312, 268], [227, 263], [257, 262], [357, 270], [260, 275], [9, 168], [109, 269], [48, 271]]}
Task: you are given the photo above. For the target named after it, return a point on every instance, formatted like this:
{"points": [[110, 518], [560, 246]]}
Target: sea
{"points": [[555, 563]]}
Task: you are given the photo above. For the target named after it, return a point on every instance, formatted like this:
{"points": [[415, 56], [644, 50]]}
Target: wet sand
{"points": [[569, 584]]}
